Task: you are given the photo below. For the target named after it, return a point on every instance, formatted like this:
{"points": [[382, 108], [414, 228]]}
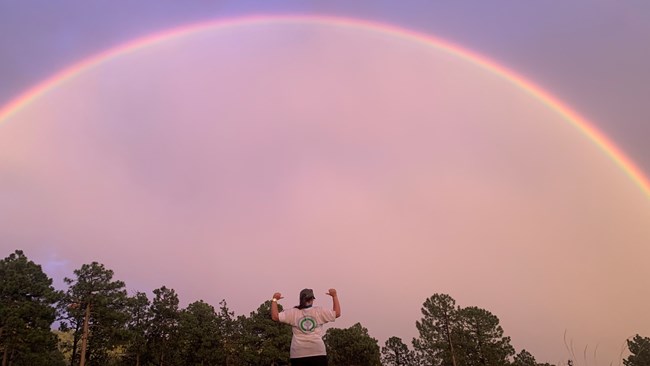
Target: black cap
{"points": [[307, 294]]}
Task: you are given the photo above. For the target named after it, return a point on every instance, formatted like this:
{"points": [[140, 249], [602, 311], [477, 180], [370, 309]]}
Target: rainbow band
{"points": [[570, 116]]}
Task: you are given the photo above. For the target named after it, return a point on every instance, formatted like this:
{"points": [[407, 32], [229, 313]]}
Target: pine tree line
{"points": [[100, 324]]}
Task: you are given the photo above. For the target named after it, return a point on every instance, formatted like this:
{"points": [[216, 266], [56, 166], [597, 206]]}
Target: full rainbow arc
{"points": [[597, 137]]}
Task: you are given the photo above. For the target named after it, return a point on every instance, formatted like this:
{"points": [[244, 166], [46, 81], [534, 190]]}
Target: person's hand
{"points": [[331, 292], [277, 296]]}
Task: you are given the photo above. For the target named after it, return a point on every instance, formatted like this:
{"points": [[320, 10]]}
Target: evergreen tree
{"points": [[230, 333], [396, 353], [482, 341], [162, 338], [439, 331], [265, 341], [137, 325], [352, 347], [199, 335], [95, 299], [524, 358], [640, 351], [27, 312]]}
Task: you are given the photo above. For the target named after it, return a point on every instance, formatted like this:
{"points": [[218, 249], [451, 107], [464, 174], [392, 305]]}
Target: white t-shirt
{"points": [[307, 327]]}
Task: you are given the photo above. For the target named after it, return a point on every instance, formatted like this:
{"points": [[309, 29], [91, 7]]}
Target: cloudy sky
{"points": [[269, 155]]}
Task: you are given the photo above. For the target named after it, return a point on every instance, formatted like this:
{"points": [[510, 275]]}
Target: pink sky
{"points": [[237, 163]]}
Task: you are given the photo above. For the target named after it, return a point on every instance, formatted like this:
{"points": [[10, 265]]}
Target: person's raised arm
{"points": [[274, 306], [336, 306]]}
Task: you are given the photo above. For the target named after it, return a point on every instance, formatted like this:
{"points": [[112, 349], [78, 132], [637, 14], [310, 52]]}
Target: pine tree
{"points": [[352, 346], [482, 340], [199, 335], [164, 327], [524, 358], [94, 310], [640, 351], [27, 311], [137, 324], [396, 353], [267, 342], [439, 331]]}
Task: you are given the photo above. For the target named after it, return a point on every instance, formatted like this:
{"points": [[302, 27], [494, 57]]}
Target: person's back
{"points": [[307, 327], [306, 320]]}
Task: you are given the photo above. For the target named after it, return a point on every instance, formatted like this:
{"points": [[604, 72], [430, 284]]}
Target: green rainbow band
{"points": [[569, 115]]}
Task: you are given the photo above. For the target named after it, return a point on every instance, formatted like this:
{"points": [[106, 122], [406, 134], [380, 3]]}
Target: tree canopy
{"points": [[451, 335], [639, 351], [396, 353], [142, 331], [27, 311], [352, 346]]}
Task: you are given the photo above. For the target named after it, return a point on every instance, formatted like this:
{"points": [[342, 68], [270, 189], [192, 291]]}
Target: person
{"points": [[306, 320]]}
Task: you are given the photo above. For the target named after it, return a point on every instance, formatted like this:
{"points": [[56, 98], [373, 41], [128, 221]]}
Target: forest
{"points": [[94, 321]]}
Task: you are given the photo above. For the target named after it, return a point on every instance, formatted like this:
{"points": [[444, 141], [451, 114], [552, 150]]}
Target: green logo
{"points": [[307, 324]]}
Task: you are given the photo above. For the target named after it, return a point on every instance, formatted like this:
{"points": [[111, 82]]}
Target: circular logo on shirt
{"points": [[307, 324]]}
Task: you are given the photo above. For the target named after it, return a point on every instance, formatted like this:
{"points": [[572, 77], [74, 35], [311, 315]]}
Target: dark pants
{"points": [[309, 361]]}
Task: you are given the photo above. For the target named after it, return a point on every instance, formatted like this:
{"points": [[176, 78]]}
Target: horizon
{"points": [[183, 304]]}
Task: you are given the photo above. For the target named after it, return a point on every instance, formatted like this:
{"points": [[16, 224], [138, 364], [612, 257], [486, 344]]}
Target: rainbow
{"points": [[597, 137]]}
